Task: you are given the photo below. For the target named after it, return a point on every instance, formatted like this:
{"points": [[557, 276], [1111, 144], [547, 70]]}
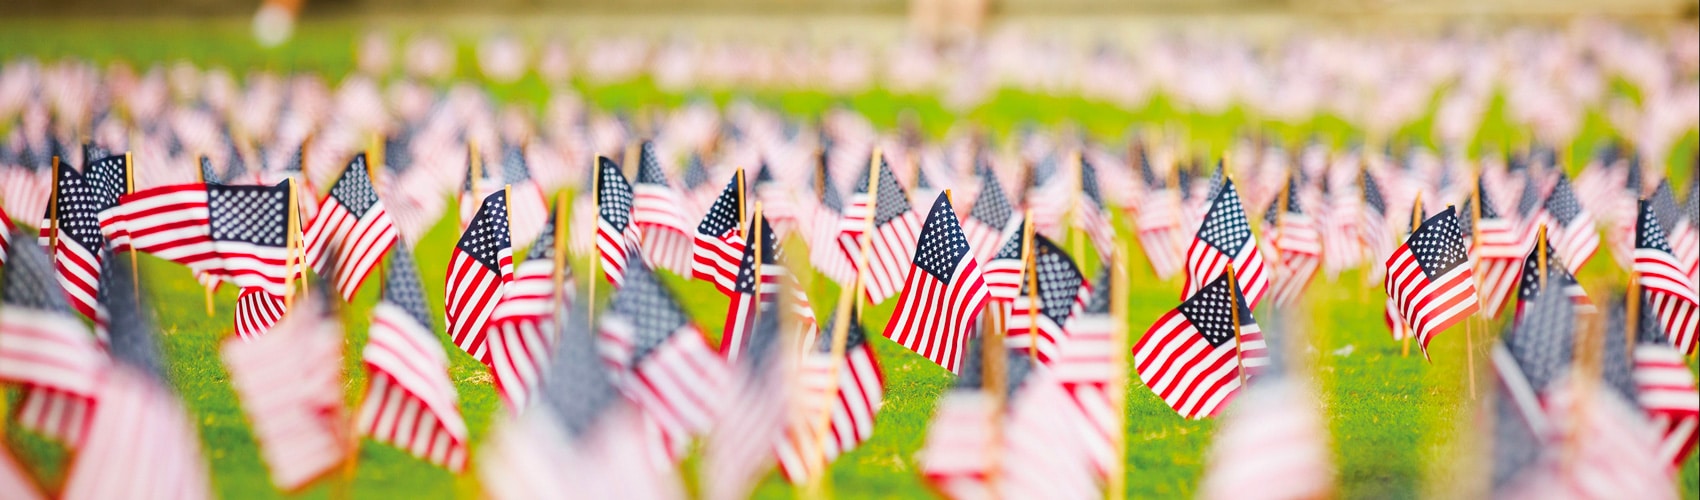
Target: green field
{"points": [[1401, 427]]}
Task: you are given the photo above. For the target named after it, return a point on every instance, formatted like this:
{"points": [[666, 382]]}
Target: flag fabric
{"points": [[1342, 249], [1271, 443], [849, 404], [351, 227], [1091, 215], [991, 220], [1006, 272], [1297, 242], [235, 233], [617, 237], [532, 289], [891, 244], [1429, 278], [1665, 389], [749, 297], [478, 184], [530, 207], [79, 200], [662, 362], [6, 226], [520, 335], [291, 388], [1373, 229], [1084, 367], [1527, 360], [1192, 357], [658, 211], [944, 293], [718, 241], [410, 402], [1613, 452], [141, 441], [740, 448], [1039, 328], [828, 224], [1670, 293], [1159, 230], [256, 311], [1530, 284], [1572, 225], [480, 269], [16, 481], [1225, 239], [1498, 250], [45, 349], [1685, 235]]}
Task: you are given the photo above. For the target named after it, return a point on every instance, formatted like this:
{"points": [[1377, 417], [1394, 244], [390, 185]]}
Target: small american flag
{"points": [[531, 292], [291, 388], [1039, 328], [1271, 443], [410, 402], [1664, 387], [1530, 283], [658, 211], [1686, 234], [352, 227], [525, 195], [1373, 229], [141, 441], [1527, 360], [520, 335], [662, 361], [256, 311], [1429, 278], [853, 402], [480, 269], [1193, 357], [1573, 227], [1497, 246], [1159, 230], [229, 232], [718, 242], [891, 244], [45, 349], [1085, 368], [1225, 239], [1297, 240], [80, 199], [825, 254], [740, 449], [741, 313], [1091, 215], [991, 219], [1670, 293], [1006, 271], [1678, 225], [616, 236], [944, 293]]}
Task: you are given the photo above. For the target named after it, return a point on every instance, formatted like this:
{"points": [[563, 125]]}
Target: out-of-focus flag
{"points": [[825, 253], [1297, 241], [290, 384], [78, 201], [658, 211], [533, 286], [45, 349], [1159, 229], [480, 269], [616, 236], [1531, 284], [1091, 214], [895, 228], [944, 294], [1572, 227], [1665, 388], [1084, 367], [1050, 193], [662, 361], [1526, 361], [530, 206], [141, 441], [740, 449], [580, 435], [1271, 443], [237, 233], [1686, 234], [1497, 247], [1429, 278], [410, 402], [520, 335], [15, 480], [1007, 270], [256, 312], [718, 240], [1373, 228], [1670, 293], [1193, 357], [6, 226], [480, 182], [353, 228], [750, 292], [991, 220], [1223, 240], [848, 405], [1039, 328]]}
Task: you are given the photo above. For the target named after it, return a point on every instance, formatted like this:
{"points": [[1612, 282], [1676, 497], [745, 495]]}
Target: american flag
{"points": [[1039, 329], [1498, 248], [1159, 230], [79, 200], [825, 255], [1091, 215], [141, 441], [530, 207], [578, 437], [943, 295], [1612, 451], [1573, 227], [849, 405], [237, 233], [741, 312], [1193, 357], [1678, 226], [1685, 243], [662, 361], [1527, 360], [1429, 278], [1664, 387], [1342, 249], [479, 183], [6, 226], [1271, 443], [291, 388], [520, 334], [1225, 239], [480, 269], [718, 239], [1297, 241], [991, 220], [891, 244], [616, 236], [352, 227], [45, 349], [1670, 293], [410, 402], [532, 291], [740, 449], [1373, 229], [658, 211], [1530, 282], [1085, 368], [256, 311], [1007, 270], [1028, 448]]}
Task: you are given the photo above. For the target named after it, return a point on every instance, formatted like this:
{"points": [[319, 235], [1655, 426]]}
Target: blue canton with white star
{"points": [[488, 234], [941, 244], [250, 214]]}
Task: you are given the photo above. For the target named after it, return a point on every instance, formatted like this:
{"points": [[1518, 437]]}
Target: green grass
{"points": [[1400, 426]]}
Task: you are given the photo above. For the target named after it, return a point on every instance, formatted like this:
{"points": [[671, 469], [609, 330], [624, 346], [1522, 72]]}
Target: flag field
{"points": [[1397, 423]]}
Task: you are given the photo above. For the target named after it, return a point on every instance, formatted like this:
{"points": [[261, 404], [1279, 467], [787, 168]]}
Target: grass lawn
{"points": [[1401, 426]]}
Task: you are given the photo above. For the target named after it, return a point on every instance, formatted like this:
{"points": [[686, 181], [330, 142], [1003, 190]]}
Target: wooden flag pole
{"points": [[1416, 221], [473, 175], [560, 257], [1026, 273], [1075, 241], [823, 420], [1632, 315], [1280, 211], [1234, 312], [1541, 254], [874, 172], [740, 175], [289, 243], [994, 385], [53, 211], [130, 188], [212, 287], [1118, 376]]}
